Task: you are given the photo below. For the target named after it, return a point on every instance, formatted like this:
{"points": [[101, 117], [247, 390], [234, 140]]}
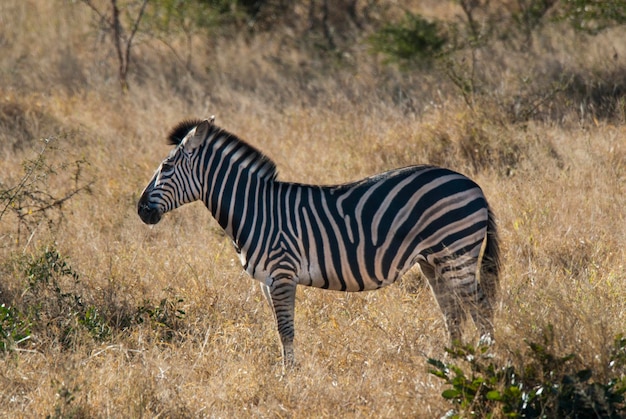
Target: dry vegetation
{"points": [[135, 321]]}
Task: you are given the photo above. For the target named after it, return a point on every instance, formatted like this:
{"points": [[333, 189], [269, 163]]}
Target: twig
{"points": [[18, 188]]}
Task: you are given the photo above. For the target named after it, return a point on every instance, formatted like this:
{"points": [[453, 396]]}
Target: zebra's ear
{"points": [[199, 135]]}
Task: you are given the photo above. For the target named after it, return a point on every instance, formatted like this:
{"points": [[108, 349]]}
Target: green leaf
{"points": [[439, 374], [458, 371], [494, 395], [437, 363], [450, 394]]}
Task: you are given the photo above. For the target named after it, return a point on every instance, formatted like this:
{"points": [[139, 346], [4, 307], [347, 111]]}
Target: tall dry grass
{"points": [[555, 180]]}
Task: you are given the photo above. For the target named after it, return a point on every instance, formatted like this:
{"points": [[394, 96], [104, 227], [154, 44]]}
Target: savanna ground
{"points": [[103, 316]]}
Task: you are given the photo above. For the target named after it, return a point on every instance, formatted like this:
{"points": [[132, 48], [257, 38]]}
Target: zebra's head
{"points": [[174, 183]]}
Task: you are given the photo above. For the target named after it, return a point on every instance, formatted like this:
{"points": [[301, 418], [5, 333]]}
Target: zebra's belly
{"points": [[350, 270], [345, 279]]}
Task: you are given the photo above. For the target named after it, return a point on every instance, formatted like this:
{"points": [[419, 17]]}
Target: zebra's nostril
{"points": [[148, 214]]}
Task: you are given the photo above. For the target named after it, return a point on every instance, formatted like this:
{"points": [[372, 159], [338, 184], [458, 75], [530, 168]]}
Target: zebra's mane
{"points": [[178, 133], [260, 164]]}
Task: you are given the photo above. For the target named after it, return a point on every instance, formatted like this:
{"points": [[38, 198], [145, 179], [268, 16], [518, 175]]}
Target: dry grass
{"points": [[557, 187]]}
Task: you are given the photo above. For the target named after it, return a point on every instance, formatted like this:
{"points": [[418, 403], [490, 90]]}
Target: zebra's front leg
{"points": [[283, 293]]}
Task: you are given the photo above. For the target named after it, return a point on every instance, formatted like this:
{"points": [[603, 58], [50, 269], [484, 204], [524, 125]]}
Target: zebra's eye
{"points": [[166, 166]]}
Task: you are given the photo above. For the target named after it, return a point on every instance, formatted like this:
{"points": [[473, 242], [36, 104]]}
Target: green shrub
{"points": [[415, 40], [56, 304], [166, 17], [163, 317], [546, 386], [52, 305], [593, 16], [14, 329]]}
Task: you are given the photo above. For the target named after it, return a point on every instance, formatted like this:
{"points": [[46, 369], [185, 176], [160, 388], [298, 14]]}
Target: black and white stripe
{"points": [[353, 237]]}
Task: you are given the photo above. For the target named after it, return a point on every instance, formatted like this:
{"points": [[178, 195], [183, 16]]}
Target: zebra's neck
{"points": [[235, 178]]}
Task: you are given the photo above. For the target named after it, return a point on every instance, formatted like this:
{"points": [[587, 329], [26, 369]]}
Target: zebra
{"points": [[349, 237]]}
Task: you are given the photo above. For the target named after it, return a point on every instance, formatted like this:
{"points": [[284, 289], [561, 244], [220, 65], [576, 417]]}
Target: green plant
{"points": [[55, 306], [56, 301], [415, 40], [95, 323], [167, 20], [163, 20], [529, 15], [173, 16], [66, 406], [46, 269], [593, 16], [163, 316], [14, 329], [547, 385], [476, 393]]}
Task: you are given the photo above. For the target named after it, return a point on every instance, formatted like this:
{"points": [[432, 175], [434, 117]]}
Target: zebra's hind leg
{"points": [[447, 301], [461, 275], [283, 294], [481, 311]]}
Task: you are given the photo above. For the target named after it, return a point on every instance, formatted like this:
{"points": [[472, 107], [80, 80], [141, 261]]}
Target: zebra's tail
{"points": [[490, 264]]}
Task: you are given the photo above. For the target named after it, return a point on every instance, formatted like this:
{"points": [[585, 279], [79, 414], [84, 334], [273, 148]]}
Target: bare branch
{"points": [[129, 41], [58, 202], [89, 4], [32, 201], [17, 189]]}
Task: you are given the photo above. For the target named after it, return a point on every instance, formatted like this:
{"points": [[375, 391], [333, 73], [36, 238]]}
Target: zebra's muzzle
{"points": [[148, 213]]}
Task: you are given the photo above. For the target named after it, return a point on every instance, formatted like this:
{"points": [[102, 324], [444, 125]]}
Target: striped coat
{"points": [[352, 237]]}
